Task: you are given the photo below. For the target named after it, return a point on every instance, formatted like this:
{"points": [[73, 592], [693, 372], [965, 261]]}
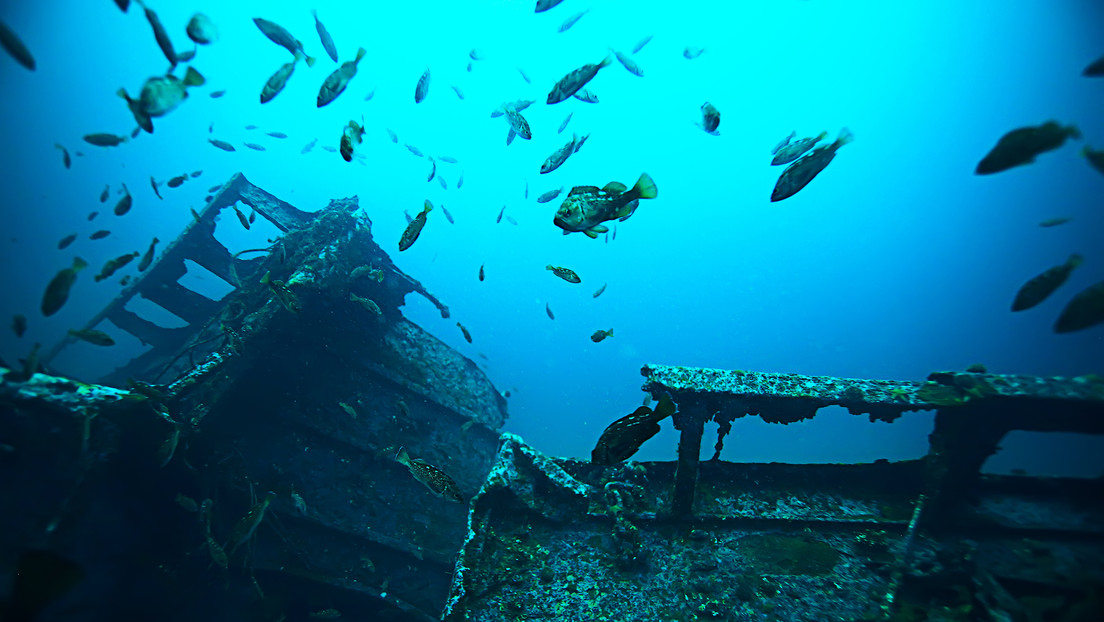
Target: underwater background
{"points": [[896, 261]]}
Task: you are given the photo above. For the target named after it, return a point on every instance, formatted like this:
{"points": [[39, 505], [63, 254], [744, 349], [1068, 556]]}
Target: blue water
{"points": [[894, 262]]}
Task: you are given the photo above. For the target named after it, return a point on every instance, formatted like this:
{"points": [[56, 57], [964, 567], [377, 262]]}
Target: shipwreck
{"points": [[243, 467]]}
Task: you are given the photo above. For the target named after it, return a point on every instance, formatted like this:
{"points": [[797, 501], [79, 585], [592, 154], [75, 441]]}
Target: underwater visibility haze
{"points": [[897, 260]]}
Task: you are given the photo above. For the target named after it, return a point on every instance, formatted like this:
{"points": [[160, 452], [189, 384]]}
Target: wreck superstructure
{"points": [[307, 395]]}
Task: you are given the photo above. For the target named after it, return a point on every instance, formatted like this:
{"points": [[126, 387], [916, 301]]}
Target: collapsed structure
{"points": [[244, 468]]}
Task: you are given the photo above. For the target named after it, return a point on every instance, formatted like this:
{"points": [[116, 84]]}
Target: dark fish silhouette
{"points": [[624, 437], [1042, 286]]}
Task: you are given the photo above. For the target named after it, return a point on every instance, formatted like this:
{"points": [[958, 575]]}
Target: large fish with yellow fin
{"points": [[586, 207]]}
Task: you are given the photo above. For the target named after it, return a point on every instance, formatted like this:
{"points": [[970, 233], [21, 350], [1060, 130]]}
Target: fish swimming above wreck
{"points": [[586, 207], [623, 438]]}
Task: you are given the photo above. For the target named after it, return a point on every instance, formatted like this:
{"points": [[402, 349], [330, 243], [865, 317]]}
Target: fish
{"points": [[448, 159], [160, 95], [1095, 69], [560, 156], [800, 173], [691, 52], [422, 89], [500, 213], [217, 94], [1084, 310], [392, 135], [324, 36], [367, 303], [570, 21], [460, 182], [92, 216], [572, 82], [782, 143], [432, 169], [177, 181], [114, 265], [183, 57], [510, 219], [283, 293], [39, 578], [160, 34], [281, 37], [412, 149], [213, 189], [104, 140], [306, 148], [1020, 146], [329, 148], [459, 93], [371, 272], [64, 242], [599, 291], [524, 76], [65, 159], [640, 44], [711, 119], [476, 54], [567, 119], [586, 95], [94, 337], [544, 5], [18, 50], [99, 235], [600, 335], [481, 273], [370, 95], [106, 193], [414, 228], [1040, 287], [518, 124], [156, 191], [628, 63], [201, 29], [251, 127], [622, 438], [195, 174], [147, 259], [548, 311], [349, 410], [436, 480], [245, 221], [1054, 222], [254, 146], [19, 325], [467, 335], [337, 81], [441, 181], [518, 106], [247, 525], [795, 149], [276, 82], [352, 136], [586, 207], [124, 204], [566, 274], [123, 4], [221, 144], [548, 196], [1094, 157], [448, 216]]}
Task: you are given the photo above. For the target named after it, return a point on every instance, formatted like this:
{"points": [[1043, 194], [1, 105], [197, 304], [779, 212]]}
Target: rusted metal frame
{"points": [[690, 420]]}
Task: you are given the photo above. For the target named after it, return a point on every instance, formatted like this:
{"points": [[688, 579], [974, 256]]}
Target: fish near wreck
{"points": [[247, 525], [10, 42], [57, 291], [278, 80], [160, 34], [422, 88], [793, 150], [1042, 286], [160, 96], [94, 337], [1084, 310], [414, 228], [1021, 146], [436, 480], [624, 437], [352, 136], [202, 30], [711, 119], [324, 36], [560, 156], [283, 293], [337, 81], [281, 37], [586, 207], [566, 274], [800, 173], [114, 265], [572, 82]]}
